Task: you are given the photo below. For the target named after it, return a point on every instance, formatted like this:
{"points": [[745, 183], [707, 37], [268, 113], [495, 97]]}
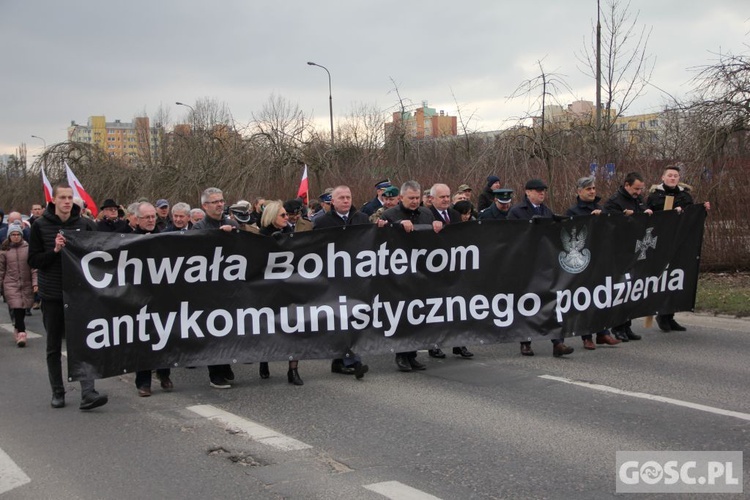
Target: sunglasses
{"points": [[284, 215]]}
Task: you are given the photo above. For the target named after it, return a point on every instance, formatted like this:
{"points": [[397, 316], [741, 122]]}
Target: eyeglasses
{"points": [[216, 202], [284, 215]]}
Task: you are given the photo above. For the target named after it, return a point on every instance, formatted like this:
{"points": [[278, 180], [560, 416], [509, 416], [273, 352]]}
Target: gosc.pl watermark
{"points": [[679, 472]]}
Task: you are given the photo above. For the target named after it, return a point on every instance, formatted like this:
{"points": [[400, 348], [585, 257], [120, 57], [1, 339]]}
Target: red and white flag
{"points": [[304, 188], [47, 187], [79, 191]]}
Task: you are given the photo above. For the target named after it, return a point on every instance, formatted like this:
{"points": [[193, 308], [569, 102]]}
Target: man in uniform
{"points": [[390, 200], [371, 206], [500, 205], [294, 216]]}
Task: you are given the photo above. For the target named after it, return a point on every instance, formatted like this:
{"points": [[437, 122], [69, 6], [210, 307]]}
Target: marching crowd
{"points": [[31, 265]]}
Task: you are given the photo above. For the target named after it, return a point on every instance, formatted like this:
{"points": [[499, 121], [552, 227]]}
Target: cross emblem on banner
{"points": [[648, 241]]}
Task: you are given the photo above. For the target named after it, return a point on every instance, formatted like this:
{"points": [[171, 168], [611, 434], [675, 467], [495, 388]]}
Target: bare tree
{"points": [[543, 139], [625, 72]]}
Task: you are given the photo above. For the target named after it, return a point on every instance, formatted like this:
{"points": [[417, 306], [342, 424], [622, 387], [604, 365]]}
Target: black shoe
{"points": [[360, 370], [462, 351], [93, 400], [337, 366], [675, 326], [631, 336], [620, 335], [436, 353], [416, 365], [228, 373], [663, 323], [218, 382], [293, 376], [526, 349], [263, 369], [58, 400], [403, 363]]}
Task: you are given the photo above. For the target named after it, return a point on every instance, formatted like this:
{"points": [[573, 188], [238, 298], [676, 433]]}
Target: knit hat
{"points": [[492, 179], [15, 228]]}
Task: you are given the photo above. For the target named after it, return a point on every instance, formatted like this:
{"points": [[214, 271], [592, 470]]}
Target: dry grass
{"points": [[724, 293]]}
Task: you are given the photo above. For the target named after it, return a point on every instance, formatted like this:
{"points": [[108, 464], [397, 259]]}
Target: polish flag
{"points": [[304, 188], [47, 187], [79, 191]]}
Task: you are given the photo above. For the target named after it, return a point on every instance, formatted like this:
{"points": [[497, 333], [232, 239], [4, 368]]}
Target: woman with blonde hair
{"points": [[274, 220], [17, 280]]}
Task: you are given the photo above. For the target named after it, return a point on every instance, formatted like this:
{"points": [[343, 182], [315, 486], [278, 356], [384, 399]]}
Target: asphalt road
{"points": [[495, 426]]}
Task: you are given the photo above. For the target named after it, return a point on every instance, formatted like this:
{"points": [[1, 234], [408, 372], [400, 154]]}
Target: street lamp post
{"points": [[330, 96], [191, 108], [44, 158]]}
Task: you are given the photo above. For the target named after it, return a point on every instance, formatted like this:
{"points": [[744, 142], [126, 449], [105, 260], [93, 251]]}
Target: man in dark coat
{"points": [[46, 243], [532, 204], [670, 195], [532, 207], [342, 214], [146, 215], [212, 201], [440, 195], [162, 214], [486, 196], [627, 200], [587, 203], [110, 222], [408, 214]]}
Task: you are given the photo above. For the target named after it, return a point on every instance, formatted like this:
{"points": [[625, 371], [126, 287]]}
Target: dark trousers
{"points": [[143, 377], [218, 371], [53, 316], [623, 326], [19, 319]]}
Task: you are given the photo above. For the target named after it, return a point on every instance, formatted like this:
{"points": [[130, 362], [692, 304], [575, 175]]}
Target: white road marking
{"points": [[11, 476], [253, 430], [651, 397], [399, 491], [29, 334]]}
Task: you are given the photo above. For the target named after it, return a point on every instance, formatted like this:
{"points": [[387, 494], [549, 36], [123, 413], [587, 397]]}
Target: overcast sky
{"points": [[68, 60]]}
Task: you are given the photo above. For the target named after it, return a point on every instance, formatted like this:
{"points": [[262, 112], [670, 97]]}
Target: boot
{"points": [[263, 369], [293, 376]]}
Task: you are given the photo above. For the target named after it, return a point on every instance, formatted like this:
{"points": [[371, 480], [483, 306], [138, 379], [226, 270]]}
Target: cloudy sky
{"points": [[68, 60]]}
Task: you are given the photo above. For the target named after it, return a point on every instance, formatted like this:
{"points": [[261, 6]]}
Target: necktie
{"points": [[344, 218], [445, 217]]}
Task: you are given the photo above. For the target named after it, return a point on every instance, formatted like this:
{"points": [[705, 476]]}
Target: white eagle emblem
{"points": [[575, 258]]}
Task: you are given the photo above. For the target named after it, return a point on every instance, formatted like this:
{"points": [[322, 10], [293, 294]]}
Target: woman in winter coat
{"points": [[17, 280]]}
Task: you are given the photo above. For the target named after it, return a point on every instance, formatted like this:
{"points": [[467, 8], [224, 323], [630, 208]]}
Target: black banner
{"points": [[211, 297]]}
